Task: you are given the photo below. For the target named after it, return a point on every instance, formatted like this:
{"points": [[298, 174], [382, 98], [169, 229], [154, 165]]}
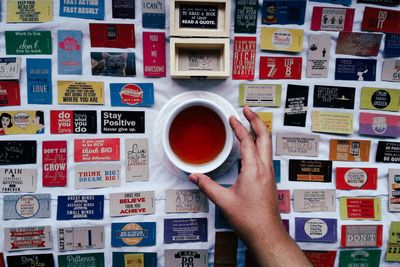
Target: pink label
{"points": [[154, 63]]}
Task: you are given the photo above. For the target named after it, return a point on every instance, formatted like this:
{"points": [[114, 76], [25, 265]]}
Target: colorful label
{"points": [[26, 206], [54, 163], [38, 75], [184, 230], [260, 95], [80, 207], [244, 58], [27, 238], [132, 203], [322, 230], [283, 12], [153, 14], [381, 20], [332, 122], [112, 35], [393, 247], [80, 238], [356, 178], [154, 59], [361, 236], [132, 94], [22, 122], [80, 92], [29, 12], [101, 149], [246, 16], [136, 160], [97, 176], [351, 69], [18, 180], [358, 44], [73, 122], [69, 44], [79, 260], [349, 150], [310, 170], [9, 93], [28, 42], [332, 19], [360, 208], [133, 234], [380, 99], [82, 9], [276, 68], [379, 125], [122, 122], [282, 39]]}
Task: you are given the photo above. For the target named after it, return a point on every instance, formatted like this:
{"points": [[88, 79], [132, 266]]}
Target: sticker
{"points": [[356, 178], [78, 260], [28, 42], [18, 180], [29, 12], [244, 58], [98, 149], [388, 152], [198, 16], [370, 257], [137, 160], [282, 39], [310, 170], [97, 176], [394, 190], [334, 97], [380, 99], [267, 119], [260, 95], [276, 68], [27, 238], [361, 236], [352, 69], [112, 35], [133, 234], [321, 258], [132, 203], [26, 206], [317, 200], [297, 144], [374, 124], [80, 207], [381, 20], [69, 45], [18, 152], [296, 105], [392, 45], [246, 16], [80, 92], [39, 81], [360, 208], [54, 163], [358, 44], [393, 247], [22, 122], [185, 200], [225, 249], [122, 122], [10, 68], [319, 48], [184, 230], [72, 122], [82, 9], [332, 19], [153, 14], [283, 12], [154, 59], [186, 257], [113, 64], [9, 93], [332, 122], [349, 150], [134, 259], [45, 260], [80, 238], [123, 9], [322, 230], [283, 201], [380, 2], [391, 70], [132, 94]]}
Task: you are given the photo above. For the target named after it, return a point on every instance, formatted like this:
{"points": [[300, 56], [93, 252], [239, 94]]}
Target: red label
{"points": [[9, 93], [112, 35], [321, 258], [326, 19], [1, 260], [284, 201], [280, 68], [154, 62], [244, 58], [54, 163], [381, 20], [104, 149], [356, 178], [131, 94], [360, 208], [61, 122]]}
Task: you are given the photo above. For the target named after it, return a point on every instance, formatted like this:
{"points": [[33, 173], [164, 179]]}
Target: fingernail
{"points": [[193, 178]]}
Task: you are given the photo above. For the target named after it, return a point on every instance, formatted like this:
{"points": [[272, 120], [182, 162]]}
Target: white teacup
{"points": [[210, 165]]}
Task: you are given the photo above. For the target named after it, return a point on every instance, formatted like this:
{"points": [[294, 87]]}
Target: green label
{"points": [[81, 260], [260, 95], [28, 42], [365, 258], [380, 99], [393, 248]]}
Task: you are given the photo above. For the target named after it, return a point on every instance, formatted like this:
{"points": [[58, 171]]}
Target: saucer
{"points": [[164, 113]]}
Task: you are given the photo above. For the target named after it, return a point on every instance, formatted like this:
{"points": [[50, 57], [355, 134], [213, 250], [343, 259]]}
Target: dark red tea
{"points": [[197, 135]]}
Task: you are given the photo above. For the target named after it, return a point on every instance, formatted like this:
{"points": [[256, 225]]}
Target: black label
{"points": [[246, 16], [42, 260], [111, 32], [122, 122], [17, 152], [198, 16], [380, 2], [123, 9], [296, 105], [310, 170], [85, 121], [380, 99], [334, 97], [388, 152]]}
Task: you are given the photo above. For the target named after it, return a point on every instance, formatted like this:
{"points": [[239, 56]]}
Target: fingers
{"points": [[215, 192], [247, 147]]}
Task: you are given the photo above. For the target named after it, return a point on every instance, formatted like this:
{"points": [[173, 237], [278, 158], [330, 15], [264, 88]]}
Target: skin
{"points": [[258, 224]]}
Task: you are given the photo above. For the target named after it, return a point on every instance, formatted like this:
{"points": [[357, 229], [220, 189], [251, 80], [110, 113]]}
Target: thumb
{"points": [[215, 192]]}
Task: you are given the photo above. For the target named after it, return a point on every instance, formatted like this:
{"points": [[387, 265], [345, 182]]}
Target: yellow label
{"points": [[266, 118], [332, 122], [360, 208], [134, 260], [80, 93], [281, 39], [22, 122], [380, 99], [29, 11]]}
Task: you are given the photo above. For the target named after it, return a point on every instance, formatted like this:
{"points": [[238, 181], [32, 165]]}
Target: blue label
{"points": [[283, 12], [80, 207], [133, 234], [392, 45], [153, 14], [38, 73], [79, 9], [150, 258], [185, 230], [69, 45], [315, 230], [339, 2], [277, 170], [351, 69], [132, 94]]}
